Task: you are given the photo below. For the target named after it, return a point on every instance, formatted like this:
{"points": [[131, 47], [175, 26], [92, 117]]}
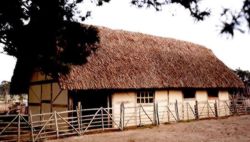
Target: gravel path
{"points": [[232, 129]]}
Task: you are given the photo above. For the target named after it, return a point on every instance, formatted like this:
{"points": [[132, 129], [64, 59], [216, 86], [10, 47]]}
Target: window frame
{"points": [[145, 97]]}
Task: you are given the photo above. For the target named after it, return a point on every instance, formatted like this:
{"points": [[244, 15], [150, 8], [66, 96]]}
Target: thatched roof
{"points": [[127, 60]]}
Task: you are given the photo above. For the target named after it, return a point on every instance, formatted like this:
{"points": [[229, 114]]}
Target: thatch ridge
{"points": [[128, 60]]}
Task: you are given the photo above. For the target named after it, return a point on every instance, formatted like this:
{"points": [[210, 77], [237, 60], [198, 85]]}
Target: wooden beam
{"points": [[34, 104], [46, 101], [42, 82], [60, 105], [57, 96]]}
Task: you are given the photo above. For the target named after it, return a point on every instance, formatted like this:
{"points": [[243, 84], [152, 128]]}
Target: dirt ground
{"points": [[232, 129]]}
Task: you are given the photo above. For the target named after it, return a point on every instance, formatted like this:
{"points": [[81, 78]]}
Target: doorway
{"points": [[91, 103], [91, 98]]}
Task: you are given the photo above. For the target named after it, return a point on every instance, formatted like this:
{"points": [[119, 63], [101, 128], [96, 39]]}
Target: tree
{"points": [[45, 35], [244, 75], [4, 90], [233, 21]]}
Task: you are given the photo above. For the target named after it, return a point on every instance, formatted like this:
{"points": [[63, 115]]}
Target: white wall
{"points": [[223, 103], [203, 106], [129, 100], [166, 100], [162, 98]]}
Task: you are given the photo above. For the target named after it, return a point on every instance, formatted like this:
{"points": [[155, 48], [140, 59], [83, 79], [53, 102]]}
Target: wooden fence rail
{"points": [[37, 127], [14, 128]]}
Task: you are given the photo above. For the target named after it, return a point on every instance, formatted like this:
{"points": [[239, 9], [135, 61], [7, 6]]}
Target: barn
{"points": [[136, 69]]}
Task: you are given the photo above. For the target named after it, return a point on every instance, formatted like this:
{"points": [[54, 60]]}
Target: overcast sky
{"points": [[173, 21]]}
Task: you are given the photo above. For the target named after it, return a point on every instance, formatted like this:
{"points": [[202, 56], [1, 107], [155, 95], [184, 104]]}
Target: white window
{"points": [[145, 97]]}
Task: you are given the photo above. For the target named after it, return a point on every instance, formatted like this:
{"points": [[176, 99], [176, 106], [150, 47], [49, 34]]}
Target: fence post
{"points": [[31, 126], [183, 111], [122, 116], [154, 114], [140, 115], [155, 107], [157, 114], [19, 128], [235, 107], [187, 111], [245, 106], [177, 111], [80, 116], [57, 129], [102, 119], [218, 108], [208, 109], [215, 109], [78, 113], [196, 110], [42, 117]]}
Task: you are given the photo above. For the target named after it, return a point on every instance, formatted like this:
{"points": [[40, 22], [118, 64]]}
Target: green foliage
{"points": [[191, 5], [244, 75], [45, 35], [233, 20], [236, 20], [4, 87]]}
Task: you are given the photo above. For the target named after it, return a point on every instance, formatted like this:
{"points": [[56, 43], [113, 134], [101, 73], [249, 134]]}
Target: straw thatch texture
{"points": [[127, 60]]}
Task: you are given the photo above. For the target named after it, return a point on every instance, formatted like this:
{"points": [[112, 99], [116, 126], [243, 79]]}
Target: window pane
{"points": [[151, 100], [142, 94], [138, 95], [145, 97], [138, 100], [142, 100], [151, 94]]}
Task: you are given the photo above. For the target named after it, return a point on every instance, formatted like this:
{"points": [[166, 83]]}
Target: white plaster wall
{"points": [[175, 95], [145, 114], [203, 108], [223, 95], [129, 100], [188, 106], [161, 98], [201, 96], [223, 103], [188, 109], [164, 99]]}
